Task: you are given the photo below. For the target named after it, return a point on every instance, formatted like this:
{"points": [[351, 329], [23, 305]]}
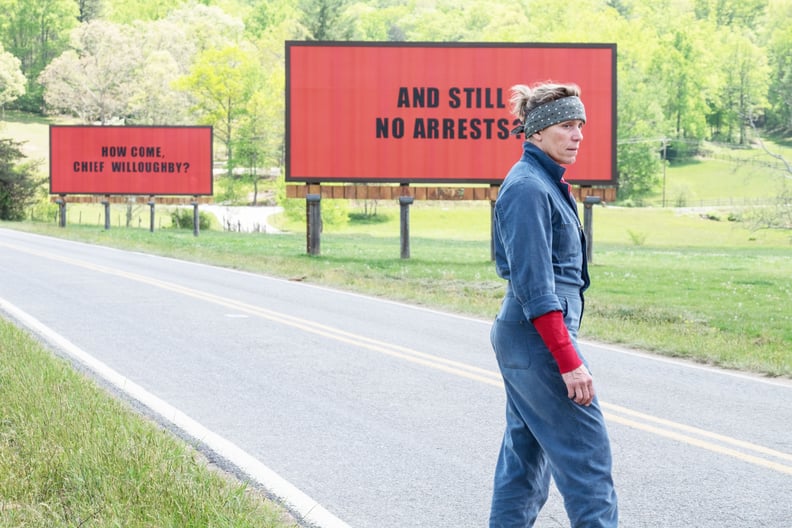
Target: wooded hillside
{"points": [[688, 70]]}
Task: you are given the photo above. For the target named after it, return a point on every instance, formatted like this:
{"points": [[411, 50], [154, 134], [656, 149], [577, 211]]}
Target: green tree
{"points": [[779, 44], [642, 124], [746, 81], [89, 10], [94, 79], [677, 68], [257, 146], [640, 137], [166, 53], [261, 135], [168, 49], [206, 27], [380, 22], [18, 181], [441, 21], [741, 65], [129, 11], [738, 13], [267, 16], [154, 100], [327, 19], [12, 82], [260, 139], [221, 82], [36, 31]]}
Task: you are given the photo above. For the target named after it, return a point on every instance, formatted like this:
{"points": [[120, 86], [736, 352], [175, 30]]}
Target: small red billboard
{"points": [[131, 160], [429, 112]]}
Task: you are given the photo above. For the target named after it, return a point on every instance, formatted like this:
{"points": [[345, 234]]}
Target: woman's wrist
{"points": [[556, 338]]}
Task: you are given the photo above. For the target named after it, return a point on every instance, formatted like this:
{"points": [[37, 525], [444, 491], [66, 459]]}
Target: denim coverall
{"points": [[540, 250]]}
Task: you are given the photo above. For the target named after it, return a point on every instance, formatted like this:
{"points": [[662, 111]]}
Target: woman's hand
{"points": [[580, 385]]}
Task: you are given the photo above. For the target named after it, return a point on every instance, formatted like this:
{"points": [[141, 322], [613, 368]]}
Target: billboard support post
{"points": [[106, 203], [61, 210], [588, 224], [404, 205], [314, 213], [196, 216], [151, 213]]}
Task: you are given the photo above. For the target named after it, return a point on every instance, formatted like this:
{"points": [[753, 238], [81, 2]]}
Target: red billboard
{"points": [[427, 112], [130, 160]]}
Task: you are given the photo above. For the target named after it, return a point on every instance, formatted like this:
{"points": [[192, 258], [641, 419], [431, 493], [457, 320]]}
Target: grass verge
{"points": [[72, 456]]}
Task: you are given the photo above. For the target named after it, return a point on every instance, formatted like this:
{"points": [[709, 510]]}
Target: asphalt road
{"points": [[365, 413]]}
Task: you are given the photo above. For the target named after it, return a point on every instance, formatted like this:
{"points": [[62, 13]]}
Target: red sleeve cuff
{"points": [[556, 337]]}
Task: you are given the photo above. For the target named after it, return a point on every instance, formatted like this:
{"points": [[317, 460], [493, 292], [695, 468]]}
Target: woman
{"points": [[554, 425]]}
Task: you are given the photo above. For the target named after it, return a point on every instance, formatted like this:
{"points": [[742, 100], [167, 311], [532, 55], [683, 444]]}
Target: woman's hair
{"points": [[525, 98]]}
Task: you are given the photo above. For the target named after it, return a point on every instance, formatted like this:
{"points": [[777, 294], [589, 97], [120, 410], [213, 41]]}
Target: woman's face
{"points": [[560, 141]]}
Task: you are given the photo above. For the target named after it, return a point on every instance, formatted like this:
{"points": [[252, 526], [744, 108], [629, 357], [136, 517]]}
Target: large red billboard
{"points": [[130, 160], [427, 112]]}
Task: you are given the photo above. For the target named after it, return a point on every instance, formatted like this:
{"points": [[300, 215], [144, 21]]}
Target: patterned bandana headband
{"points": [[552, 113]]}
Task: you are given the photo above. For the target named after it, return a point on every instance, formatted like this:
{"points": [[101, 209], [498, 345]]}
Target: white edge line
{"points": [[300, 503]]}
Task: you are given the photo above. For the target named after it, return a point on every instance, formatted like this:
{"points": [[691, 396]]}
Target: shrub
{"points": [[182, 218], [18, 182], [335, 212], [637, 238], [44, 210]]}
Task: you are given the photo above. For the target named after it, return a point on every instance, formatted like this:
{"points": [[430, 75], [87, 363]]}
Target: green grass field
{"points": [[727, 177]]}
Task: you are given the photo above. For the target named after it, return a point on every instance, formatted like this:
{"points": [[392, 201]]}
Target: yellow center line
{"points": [[695, 430], [612, 412], [709, 446]]}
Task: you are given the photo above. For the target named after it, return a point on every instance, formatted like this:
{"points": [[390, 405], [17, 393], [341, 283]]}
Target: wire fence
{"points": [[685, 202], [764, 162]]}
